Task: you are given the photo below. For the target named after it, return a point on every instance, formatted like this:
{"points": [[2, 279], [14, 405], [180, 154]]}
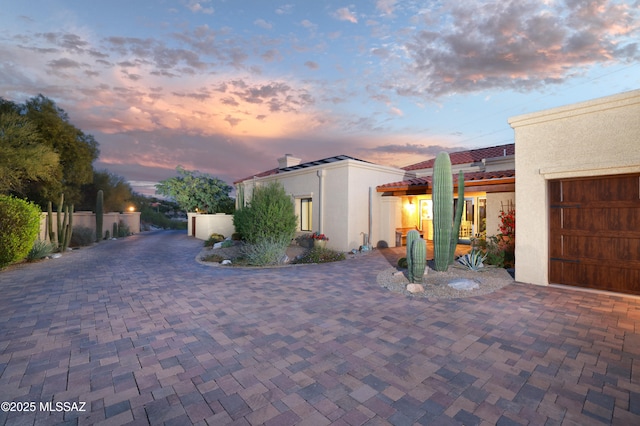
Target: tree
{"points": [[195, 191], [117, 192], [24, 159], [77, 151]]}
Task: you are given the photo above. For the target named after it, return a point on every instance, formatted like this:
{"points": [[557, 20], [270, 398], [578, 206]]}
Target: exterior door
{"points": [[594, 233]]}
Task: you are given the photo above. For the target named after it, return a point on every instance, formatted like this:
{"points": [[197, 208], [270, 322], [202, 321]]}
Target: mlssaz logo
{"points": [[65, 406]]}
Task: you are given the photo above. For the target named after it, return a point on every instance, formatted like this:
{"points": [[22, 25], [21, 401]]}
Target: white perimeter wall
{"points": [[595, 138], [207, 224]]}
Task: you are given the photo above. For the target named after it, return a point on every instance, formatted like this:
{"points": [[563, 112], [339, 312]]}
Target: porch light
{"points": [[411, 207], [132, 209]]}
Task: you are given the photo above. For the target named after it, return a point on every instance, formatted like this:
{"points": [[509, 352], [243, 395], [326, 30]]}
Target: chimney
{"points": [[287, 161]]}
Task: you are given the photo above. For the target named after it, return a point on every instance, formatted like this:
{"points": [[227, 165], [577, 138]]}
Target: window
{"points": [[306, 214]]}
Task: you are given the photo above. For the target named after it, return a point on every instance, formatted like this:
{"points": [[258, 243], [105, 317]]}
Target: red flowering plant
{"points": [[500, 248], [322, 237]]}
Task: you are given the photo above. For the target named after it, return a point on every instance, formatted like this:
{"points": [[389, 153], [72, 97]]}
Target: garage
{"points": [[594, 232]]}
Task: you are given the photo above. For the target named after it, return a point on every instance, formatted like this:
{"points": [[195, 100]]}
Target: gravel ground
{"points": [[436, 284]]}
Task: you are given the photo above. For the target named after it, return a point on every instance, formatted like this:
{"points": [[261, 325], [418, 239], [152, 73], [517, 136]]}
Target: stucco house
{"points": [[578, 191], [489, 175], [334, 196], [347, 198]]}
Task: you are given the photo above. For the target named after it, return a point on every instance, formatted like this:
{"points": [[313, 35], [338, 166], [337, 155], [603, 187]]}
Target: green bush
{"points": [[497, 254], [269, 216], [123, 230], [402, 263], [321, 255], [40, 250], [19, 227], [82, 236], [268, 251]]}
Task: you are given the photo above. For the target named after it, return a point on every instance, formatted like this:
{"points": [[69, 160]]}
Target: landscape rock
{"points": [[464, 284], [415, 288], [226, 262]]}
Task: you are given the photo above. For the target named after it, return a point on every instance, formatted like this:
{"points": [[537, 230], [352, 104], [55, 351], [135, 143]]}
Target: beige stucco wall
{"points": [[340, 196], [87, 219], [495, 203], [207, 224], [594, 138]]}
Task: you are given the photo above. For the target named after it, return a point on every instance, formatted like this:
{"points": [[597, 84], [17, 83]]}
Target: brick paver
{"points": [[142, 334]]}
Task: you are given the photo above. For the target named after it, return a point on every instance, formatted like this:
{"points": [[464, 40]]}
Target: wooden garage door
{"points": [[594, 233]]}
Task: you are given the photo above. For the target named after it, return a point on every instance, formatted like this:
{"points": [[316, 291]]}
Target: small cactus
{"points": [[115, 230], [411, 237], [418, 260]]}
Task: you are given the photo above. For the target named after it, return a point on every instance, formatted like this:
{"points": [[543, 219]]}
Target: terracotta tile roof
{"points": [[469, 178], [261, 174], [471, 156]]}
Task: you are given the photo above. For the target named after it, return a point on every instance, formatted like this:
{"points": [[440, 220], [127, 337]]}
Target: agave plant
{"points": [[473, 261]]}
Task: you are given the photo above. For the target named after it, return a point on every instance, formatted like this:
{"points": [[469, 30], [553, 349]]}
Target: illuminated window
{"points": [[306, 214]]}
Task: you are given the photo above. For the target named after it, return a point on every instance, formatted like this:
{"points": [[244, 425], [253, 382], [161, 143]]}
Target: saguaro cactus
{"points": [[411, 237], [99, 215], [418, 260], [64, 224], [52, 235], [442, 210], [455, 232]]}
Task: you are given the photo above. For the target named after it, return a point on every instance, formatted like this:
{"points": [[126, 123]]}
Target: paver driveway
{"points": [[142, 334]]}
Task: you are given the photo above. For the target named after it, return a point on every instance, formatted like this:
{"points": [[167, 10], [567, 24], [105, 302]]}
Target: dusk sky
{"points": [[228, 86]]}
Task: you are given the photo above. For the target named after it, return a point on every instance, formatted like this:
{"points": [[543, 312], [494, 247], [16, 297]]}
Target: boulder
{"points": [[415, 288]]}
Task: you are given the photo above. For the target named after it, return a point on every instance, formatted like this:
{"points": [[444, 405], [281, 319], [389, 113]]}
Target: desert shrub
{"points": [[402, 263], [492, 247], [40, 250], [213, 239], [19, 227], [226, 244], [82, 236], [268, 251], [212, 258], [123, 230], [500, 248], [321, 255], [269, 216]]}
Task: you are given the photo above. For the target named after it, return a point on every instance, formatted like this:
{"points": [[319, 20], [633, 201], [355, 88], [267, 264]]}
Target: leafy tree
{"points": [[193, 191], [24, 159], [77, 151], [117, 192]]}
